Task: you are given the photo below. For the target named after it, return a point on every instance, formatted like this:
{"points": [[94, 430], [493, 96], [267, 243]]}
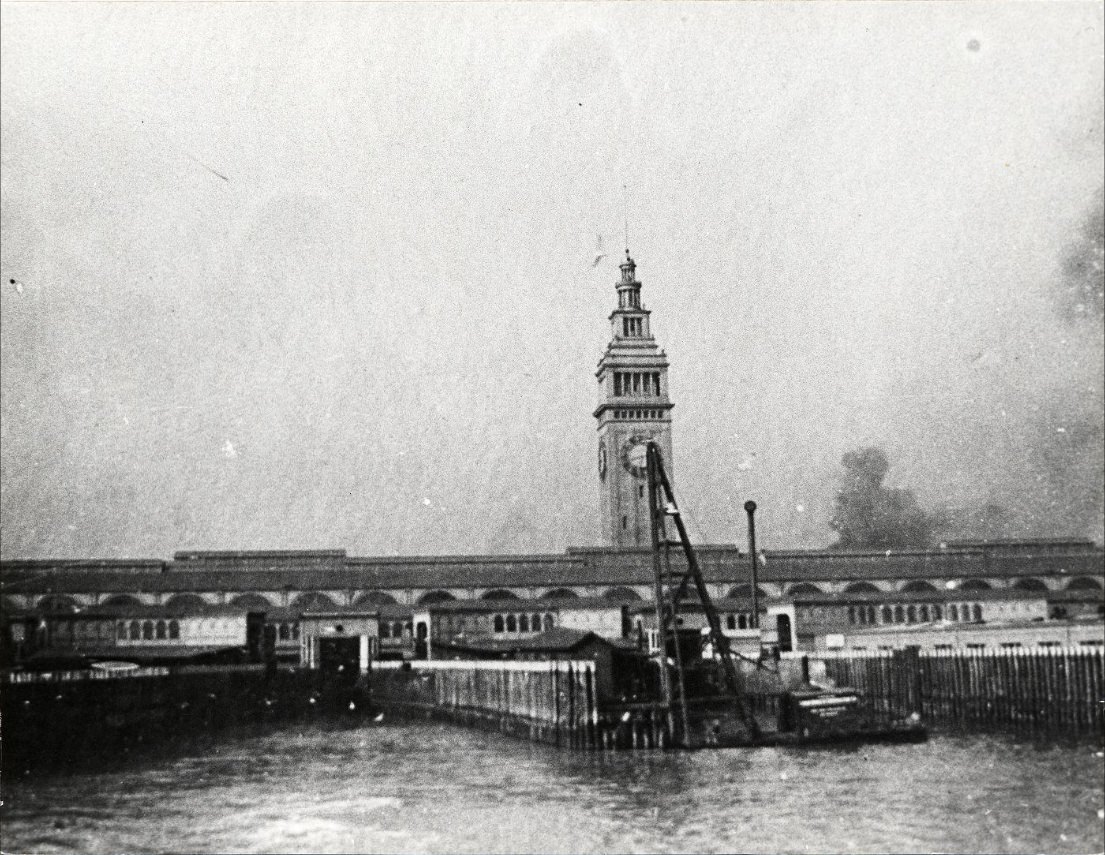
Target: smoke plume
{"points": [[869, 515]]}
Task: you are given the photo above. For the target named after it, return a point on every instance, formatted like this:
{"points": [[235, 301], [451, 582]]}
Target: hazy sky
{"points": [[307, 276]]}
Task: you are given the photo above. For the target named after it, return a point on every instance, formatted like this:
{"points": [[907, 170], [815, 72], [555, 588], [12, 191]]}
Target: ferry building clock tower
{"points": [[633, 408]]}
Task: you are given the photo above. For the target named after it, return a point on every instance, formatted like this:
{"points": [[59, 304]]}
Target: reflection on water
{"points": [[427, 787]]}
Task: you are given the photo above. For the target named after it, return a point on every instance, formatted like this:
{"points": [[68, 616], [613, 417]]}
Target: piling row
{"points": [[1054, 691], [545, 701]]}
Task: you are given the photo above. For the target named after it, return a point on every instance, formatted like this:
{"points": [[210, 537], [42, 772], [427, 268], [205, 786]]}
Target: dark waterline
{"points": [[415, 787]]}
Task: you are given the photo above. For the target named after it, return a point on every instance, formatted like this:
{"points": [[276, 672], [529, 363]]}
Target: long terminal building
{"points": [[634, 407]]}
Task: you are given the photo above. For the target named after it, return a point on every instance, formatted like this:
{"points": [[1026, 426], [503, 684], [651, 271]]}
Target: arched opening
{"points": [[374, 598], [161, 630], [851, 614], [523, 623], [57, 604], [499, 624], [803, 588], [1029, 584], [560, 594], [174, 629], [744, 592], [918, 586], [147, 630], [975, 585], [782, 628], [511, 623], [911, 614], [871, 614], [548, 622], [500, 594], [431, 597], [186, 603], [121, 600], [976, 613], [923, 613], [887, 615], [621, 594], [251, 603], [953, 613], [1083, 583], [313, 601], [862, 588], [135, 630], [899, 614], [936, 614]]}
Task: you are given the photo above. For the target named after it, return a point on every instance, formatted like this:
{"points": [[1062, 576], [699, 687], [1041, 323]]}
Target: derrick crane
{"points": [[669, 590]]}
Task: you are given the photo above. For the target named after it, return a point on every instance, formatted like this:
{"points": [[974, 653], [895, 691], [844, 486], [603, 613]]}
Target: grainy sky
{"points": [[305, 276]]}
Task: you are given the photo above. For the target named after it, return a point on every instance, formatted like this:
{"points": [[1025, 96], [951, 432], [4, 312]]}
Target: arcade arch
{"points": [[431, 597], [313, 601], [559, 594], [621, 593]]}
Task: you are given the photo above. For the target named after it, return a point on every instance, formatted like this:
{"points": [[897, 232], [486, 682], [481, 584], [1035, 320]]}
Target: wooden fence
{"points": [[1058, 691], [547, 701]]}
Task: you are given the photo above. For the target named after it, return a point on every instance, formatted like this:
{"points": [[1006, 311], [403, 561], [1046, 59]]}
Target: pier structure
{"points": [[268, 580]]}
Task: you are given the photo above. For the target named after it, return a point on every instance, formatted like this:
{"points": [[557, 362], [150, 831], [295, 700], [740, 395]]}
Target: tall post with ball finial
{"points": [[750, 509]]}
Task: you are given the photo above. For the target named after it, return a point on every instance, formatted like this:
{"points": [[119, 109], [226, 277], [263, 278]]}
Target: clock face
{"points": [[635, 455], [602, 459]]}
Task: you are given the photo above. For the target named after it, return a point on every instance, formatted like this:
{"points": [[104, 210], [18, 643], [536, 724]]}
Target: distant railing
{"points": [[75, 676]]}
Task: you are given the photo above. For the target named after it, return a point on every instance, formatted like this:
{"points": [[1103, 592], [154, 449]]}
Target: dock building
{"points": [[1060, 576]]}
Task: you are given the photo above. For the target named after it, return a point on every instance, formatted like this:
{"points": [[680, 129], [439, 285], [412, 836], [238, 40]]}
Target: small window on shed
{"points": [[174, 629]]}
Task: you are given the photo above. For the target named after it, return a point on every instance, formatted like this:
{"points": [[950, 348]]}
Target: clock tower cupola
{"points": [[633, 408]]}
